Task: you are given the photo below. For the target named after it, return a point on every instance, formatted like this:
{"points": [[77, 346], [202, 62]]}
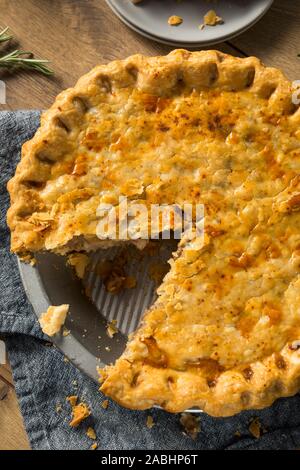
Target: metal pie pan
{"points": [[88, 346]]}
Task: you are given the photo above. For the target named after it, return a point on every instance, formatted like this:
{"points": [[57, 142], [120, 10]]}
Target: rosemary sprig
{"points": [[25, 60], [22, 59], [4, 35]]}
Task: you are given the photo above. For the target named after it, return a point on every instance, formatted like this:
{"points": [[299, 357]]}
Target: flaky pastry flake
{"points": [[53, 319]]}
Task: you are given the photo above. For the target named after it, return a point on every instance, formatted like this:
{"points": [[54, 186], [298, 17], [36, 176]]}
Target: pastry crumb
{"points": [[107, 348], [72, 400], [58, 408], [104, 404], [175, 20], [52, 320], [28, 259], [79, 413], [91, 433], [66, 332], [94, 446], [79, 262], [150, 423], [191, 424], [112, 329], [212, 19], [255, 428], [66, 359]]}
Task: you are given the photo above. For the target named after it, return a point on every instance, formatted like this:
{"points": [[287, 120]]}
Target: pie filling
{"points": [[201, 128], [90, 244]]}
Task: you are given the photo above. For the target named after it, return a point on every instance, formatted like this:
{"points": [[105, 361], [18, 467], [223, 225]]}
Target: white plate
{"points": [[149, 18]]}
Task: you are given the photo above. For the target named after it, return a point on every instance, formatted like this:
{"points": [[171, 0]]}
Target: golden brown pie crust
{"points": [[200, 127]]}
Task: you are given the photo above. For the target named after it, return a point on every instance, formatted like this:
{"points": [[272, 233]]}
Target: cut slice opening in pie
{"points": [[202, 128]]}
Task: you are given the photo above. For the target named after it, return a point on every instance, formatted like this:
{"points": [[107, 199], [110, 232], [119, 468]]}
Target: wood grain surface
{"points": [[276, 38], [12, 432], [79, 34]]}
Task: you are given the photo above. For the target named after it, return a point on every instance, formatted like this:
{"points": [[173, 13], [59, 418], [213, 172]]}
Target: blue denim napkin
{"points": [[44, 379]]}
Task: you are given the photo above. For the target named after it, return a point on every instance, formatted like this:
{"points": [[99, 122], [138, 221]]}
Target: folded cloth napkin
{"points": [[43, 377]]}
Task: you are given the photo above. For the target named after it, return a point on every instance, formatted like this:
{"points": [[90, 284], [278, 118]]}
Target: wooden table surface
{"points": [[12, 433], [78, 34]]}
